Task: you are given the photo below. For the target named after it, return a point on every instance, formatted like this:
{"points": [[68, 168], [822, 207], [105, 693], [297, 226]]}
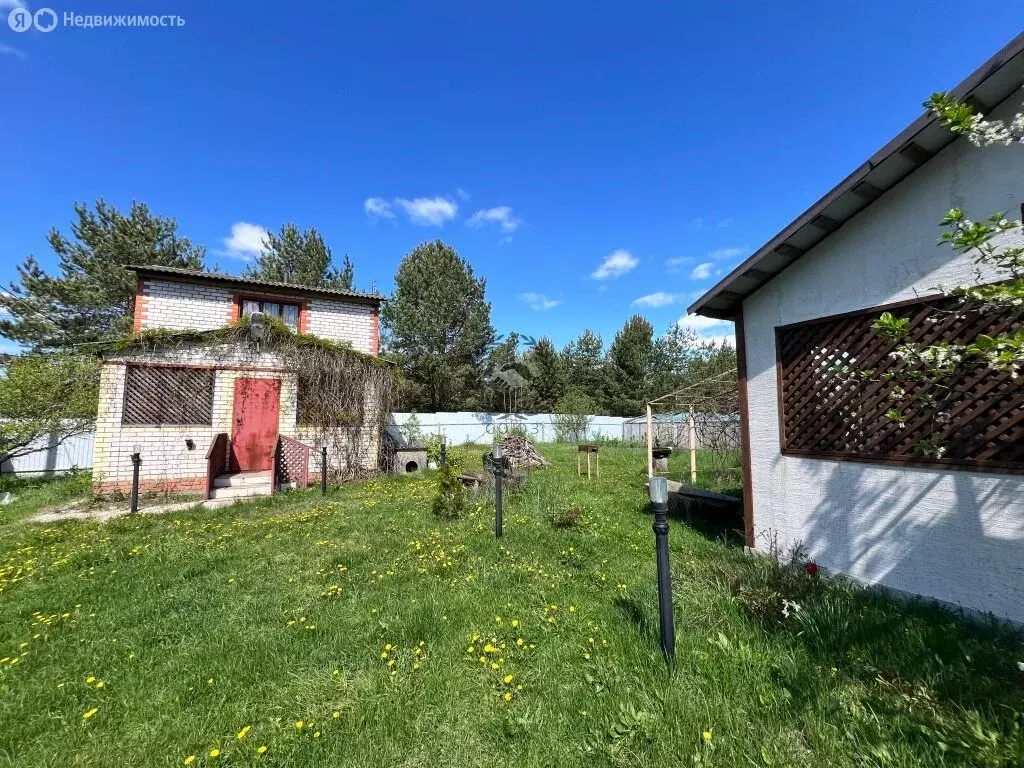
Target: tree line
{"points": [[436, 327]]}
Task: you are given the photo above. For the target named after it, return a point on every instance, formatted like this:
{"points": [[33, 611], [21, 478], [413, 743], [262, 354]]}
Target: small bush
{"points": [[450, 501], [565, 517]]}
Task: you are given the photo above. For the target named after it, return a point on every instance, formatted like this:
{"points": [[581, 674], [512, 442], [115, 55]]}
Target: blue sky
{"points": [[582, 156]]}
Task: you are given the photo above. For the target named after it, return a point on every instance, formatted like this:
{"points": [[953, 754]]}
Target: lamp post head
{"points": [[136, 448], [658, 487], [499, 452]]}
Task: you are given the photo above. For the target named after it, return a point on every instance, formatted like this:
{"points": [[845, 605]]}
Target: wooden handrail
{"points": [[216, 461], [299, 475]]}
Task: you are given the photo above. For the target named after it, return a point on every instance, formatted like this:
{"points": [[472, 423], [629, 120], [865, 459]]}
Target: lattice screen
{"points": [[168, 396], [825, 411]]}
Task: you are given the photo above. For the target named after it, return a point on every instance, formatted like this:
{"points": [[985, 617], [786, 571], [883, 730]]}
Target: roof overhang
{"points": [[177, 274], [991, 84]]}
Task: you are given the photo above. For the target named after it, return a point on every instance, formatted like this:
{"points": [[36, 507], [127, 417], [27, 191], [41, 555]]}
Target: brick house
{"points": [[220, 419]]}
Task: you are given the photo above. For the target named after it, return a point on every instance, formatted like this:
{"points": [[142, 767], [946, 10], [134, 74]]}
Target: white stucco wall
{"points": [[956, 536]]}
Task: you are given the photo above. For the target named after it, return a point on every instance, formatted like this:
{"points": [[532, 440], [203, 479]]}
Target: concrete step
{"points": [[236, 479], [241, 491]]}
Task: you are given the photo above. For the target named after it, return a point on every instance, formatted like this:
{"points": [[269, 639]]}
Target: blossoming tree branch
{"points": [[990, 243]]}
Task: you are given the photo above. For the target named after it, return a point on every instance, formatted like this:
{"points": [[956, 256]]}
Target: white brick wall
{"points": [[184, 306], [166, 458], [340, 321], [191, 306], [952, 535]]}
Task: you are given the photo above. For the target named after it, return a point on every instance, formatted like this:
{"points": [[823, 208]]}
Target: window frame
{"points": [[281, 301]]}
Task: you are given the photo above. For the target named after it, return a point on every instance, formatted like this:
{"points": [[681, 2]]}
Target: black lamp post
{"points": [[658, 487], [136, 462], [498, 454], [323, 470], [444, 452]]}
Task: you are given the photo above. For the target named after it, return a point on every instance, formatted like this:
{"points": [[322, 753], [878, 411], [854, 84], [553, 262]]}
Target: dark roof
{"points": [[217, 277], [991, 84]]}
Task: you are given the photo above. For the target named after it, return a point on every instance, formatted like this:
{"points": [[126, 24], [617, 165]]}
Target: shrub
{"points": [[572, 417], [565, 517], [450, 501]]}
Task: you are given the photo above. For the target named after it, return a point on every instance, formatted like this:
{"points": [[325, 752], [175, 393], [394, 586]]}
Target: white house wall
{"points": [[956, 536]]}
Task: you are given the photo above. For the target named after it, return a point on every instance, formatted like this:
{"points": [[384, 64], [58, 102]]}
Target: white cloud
{"points": [[673, 264], [501, 215], [659, 299], [709, 329], [728, 253], [378, 208], [702, 271], [463, 194], [618, 263], [245, 242], [12, 51], [12, 4], [538, 301], [428, 211]]}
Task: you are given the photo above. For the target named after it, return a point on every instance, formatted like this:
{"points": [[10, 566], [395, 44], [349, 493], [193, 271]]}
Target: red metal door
{"points": [[254, 426]]}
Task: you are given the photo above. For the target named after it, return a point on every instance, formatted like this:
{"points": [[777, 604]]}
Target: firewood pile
{"points": [[522, 454]]}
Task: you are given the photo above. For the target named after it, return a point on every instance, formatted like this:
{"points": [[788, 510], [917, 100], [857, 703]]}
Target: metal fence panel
{"points": [[48, 458]]}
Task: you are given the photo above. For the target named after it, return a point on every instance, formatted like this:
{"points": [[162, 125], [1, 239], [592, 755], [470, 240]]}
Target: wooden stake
{"points": [[588, 465], [693, 448], [650, 444]]}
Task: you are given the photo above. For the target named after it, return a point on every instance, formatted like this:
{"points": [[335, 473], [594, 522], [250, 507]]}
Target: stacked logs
{"points": [[521, 453]]}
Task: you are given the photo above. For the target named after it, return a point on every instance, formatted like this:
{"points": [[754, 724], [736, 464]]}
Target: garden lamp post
{"points": [[659, 504], [323, 469], [136, 462], [498, 454], [444, 452]]}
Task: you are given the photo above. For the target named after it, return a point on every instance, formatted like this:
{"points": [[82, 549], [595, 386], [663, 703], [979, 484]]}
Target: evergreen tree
{"points": [[628, 384], [92, 296], [547, 376], [585, 364], [300, 258], [438, 327]]}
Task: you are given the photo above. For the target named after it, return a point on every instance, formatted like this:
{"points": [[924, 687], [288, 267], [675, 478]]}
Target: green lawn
{"points": [[358, 630]]}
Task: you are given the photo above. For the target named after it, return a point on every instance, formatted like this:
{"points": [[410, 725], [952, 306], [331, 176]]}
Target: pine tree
{"points": [[585, 363], [438, 327], [300, 258], [547, 376], [92, 296], [628, 385]]}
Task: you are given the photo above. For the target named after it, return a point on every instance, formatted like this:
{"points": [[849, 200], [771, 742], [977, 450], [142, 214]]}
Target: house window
{"points": [[829, 409], [286, 313], [165, 396]]}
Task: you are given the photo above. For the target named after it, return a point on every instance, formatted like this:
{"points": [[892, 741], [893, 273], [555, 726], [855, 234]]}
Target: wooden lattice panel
{"points": [[161, 395], [292, 462], [825, 411]]}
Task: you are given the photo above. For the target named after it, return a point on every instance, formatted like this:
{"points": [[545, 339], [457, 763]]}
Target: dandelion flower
{"points": [[242, 733], [189, 760], [336, 714], [316, 735], [90, 680], [707, 735], [214, 753], [261, 750], [508, 679], [90, 713], [100, 684], [299, 725], [507, 696]]}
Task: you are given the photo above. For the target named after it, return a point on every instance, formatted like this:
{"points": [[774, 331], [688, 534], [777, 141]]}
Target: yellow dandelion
{"points": [[90, 713], [242, 733], [489, 648], [90, 680], [189, 760], [261, 750], [336, 714], [707, 735], [214, 753], [100, 684], [299, 725], [515, 623], [507, 696], [495, 666], [316, 735], [508, 679]]}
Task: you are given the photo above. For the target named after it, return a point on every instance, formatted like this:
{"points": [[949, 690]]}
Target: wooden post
{"points": [[588, 465], [693, 448], [650, 444], [579, 467]]}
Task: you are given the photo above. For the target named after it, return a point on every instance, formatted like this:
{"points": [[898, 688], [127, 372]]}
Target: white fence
{"points": [[49, 458], [473, 427]]}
